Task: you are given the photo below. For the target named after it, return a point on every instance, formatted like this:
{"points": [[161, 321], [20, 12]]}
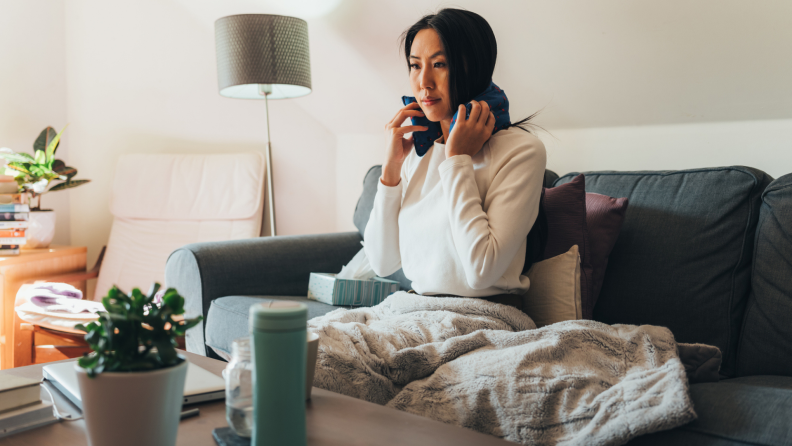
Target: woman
{"points": [[454, 213]]}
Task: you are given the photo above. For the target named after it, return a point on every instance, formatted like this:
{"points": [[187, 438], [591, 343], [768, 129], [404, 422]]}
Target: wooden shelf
{"points": [[30, 265]]}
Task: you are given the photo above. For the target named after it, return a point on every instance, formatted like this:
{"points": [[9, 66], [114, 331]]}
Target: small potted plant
{"points": [[132, 383], [33, 175]]}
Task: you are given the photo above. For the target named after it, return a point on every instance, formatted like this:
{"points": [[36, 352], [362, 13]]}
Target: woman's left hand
{"points": [[470, 134]]}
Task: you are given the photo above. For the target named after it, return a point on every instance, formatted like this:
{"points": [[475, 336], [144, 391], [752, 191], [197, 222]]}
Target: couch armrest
{"points": [[267, 266]]}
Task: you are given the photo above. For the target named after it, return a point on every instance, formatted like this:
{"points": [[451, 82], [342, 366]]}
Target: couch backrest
{"points": [[366, 203], [766, 340], [683, 257]]}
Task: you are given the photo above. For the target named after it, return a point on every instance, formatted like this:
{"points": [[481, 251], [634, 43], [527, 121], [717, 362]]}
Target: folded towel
{"points": [[59, 289], [57, 306], [58, 298]]}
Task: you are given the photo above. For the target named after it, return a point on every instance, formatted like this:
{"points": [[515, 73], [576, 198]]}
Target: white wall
{"points": [[765, 145], [142, 78], [355, 155], [33, 87]]}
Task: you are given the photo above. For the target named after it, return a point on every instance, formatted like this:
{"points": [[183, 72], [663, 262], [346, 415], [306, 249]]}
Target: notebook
{"points": [[16, 391], [200, 385], [25, 418]]}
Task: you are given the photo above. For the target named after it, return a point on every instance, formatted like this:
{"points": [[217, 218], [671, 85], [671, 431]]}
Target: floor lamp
{"points": [[263, 56]]}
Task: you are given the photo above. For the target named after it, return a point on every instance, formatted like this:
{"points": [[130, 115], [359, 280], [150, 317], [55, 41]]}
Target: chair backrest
{"points": [[162, 202]]}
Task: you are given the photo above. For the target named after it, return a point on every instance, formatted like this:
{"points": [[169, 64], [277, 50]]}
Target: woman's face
{"points": [[429, 75]]}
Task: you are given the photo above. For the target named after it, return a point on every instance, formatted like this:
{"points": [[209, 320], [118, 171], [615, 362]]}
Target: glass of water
{"points": [[239, 389]]}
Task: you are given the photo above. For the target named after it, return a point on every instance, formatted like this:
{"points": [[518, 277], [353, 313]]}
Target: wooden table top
{"points": [[332, 419], [26, 255]]}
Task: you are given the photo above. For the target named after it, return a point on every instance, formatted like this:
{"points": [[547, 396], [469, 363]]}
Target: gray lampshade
{"points": [[262, 49]]}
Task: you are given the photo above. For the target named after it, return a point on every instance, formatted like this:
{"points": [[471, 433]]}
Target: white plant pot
{"points": [[133, 408], [41, 229]]}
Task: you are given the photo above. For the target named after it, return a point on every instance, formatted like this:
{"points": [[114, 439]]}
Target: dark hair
{"points": [[470, 48]]}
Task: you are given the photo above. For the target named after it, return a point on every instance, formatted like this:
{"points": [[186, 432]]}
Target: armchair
{"points": [[159, 202]]}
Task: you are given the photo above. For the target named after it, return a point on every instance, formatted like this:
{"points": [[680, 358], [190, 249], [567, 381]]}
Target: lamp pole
{"points": [[266, 90]]}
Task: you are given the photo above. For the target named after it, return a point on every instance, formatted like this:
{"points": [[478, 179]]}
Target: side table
{"points": [[30, 265]]}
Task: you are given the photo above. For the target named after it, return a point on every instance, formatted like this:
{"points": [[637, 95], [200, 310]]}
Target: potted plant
{"points": [[33, 174], [132, 383]]}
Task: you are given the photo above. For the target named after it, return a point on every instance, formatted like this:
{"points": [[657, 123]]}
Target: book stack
{"points": [[14, 213], [21, 407]]}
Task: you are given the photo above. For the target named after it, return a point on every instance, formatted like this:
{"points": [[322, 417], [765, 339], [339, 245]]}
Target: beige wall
{"points": [[142, 78], [765, 145], [33, 87], [623, 88]]}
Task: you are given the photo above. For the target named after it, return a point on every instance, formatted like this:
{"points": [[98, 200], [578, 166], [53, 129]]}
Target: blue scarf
{"points": [[493, 95]]}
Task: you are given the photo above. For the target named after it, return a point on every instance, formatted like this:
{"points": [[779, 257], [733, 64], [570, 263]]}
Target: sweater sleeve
{"points": [[487, 242], [382, 230]]}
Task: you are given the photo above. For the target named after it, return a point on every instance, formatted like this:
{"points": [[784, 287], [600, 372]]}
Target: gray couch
{"points": [[705, 252]]}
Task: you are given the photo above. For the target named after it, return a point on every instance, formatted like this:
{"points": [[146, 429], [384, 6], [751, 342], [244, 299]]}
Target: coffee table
{"points": [[332, 419]]}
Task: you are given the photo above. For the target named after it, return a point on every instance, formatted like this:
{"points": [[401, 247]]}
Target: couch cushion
{"points": [[604, 219], [683, 257], [565, 209], [227, 318], [766, 344], [753, 410], [366, 203]]}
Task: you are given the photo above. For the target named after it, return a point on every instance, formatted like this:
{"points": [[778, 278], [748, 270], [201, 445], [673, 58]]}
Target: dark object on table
{"points": [[225, 436]]}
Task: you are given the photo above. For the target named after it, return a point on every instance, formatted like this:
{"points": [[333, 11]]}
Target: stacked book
{"points": [[14, 213], [21, 407]]}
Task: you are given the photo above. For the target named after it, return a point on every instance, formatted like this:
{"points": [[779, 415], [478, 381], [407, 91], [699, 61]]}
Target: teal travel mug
{"points": [[278, 347]]}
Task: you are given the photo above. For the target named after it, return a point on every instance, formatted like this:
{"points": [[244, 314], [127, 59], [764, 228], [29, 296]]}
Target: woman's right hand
{"points": [[398, 146]]}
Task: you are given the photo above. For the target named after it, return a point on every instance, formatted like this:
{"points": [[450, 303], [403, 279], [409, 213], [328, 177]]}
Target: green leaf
{"points": [[190, 323], [16, 157], [166, 350], [40, 158], [153, 290], [50, 152], [173, 301], [68, 185], [62, 169], [44, 139]]}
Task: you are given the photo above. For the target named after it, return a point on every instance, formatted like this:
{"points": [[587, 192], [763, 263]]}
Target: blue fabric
{"points": [[494, 96]]}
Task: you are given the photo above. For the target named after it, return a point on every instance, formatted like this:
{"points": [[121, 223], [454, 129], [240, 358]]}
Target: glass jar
{"points": [[239, 388]]}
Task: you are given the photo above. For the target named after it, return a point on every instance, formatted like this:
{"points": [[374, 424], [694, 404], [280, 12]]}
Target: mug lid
{"points": [[278, 315]]}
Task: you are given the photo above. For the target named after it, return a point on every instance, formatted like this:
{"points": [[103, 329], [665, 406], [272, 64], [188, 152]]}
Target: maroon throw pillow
{"points": [[565, 208], [604, 218]]}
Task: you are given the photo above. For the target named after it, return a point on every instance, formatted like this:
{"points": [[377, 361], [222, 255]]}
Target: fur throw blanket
{"points": [[486, 367]]}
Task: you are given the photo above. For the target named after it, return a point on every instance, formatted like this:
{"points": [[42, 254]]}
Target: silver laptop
{"points": [[200, 385]]}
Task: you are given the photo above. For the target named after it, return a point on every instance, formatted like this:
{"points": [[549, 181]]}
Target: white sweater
{"points": [[459, 225]]}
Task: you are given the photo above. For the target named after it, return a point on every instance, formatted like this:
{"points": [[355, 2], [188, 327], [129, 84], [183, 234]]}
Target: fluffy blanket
{"points": [[485, 366]]}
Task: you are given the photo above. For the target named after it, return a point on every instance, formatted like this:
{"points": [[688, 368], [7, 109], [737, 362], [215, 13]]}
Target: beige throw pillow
{"points": [[554, 293]]}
